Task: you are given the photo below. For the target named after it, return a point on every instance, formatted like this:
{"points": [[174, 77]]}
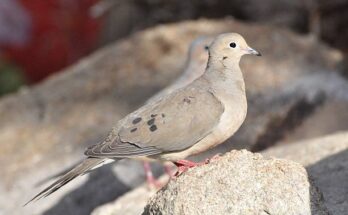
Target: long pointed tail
{"points": [[82, 168]]}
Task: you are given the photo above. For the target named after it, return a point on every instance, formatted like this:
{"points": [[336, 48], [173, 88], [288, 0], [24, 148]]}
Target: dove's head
{"points": [[230, 47]]}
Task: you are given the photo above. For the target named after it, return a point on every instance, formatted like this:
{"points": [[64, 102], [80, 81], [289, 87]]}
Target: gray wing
{"points": [[171, 124]]}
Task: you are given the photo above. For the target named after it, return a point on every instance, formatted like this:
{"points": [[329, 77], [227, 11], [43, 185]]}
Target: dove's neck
{"points": [[226, 77]]}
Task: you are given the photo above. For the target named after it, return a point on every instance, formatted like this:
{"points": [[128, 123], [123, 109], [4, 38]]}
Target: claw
{"points": [[184, 165]]}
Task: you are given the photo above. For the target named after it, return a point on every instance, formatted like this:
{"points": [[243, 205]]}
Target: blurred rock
{"points": [[326, 119], [131, 203], [316, 96], [44, 129], [326, 20], [123, 17], [333, 22], [240, 183], [326, 160]]}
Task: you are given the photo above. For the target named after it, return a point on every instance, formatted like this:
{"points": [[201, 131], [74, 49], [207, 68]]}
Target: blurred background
{"points": [[70, 69], [38, 38]]}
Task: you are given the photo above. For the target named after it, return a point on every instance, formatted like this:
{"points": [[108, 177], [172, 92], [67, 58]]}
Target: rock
{"points": [[131, 203], [333, 22], [326, 160], [320, 122], [327, 20], [128, 16], [324, 157], [45, 128], [240, 183], [312, 100]]}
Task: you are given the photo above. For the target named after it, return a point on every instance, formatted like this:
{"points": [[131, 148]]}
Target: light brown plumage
{"points": [[185, 122]]}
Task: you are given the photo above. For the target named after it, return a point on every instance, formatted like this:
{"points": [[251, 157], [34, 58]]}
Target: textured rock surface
{"points": [[326, 160], [240, 183], [45, 129]]}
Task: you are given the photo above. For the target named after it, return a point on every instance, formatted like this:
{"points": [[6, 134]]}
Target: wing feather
{"points": [[171, 124]]}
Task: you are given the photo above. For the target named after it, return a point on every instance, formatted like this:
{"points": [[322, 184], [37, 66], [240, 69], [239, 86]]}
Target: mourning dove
{"points": [[185, 122]]}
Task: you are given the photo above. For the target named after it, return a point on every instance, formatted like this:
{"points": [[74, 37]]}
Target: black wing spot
{"points": [[153, 128], [224, 58], [163, 115], [136, 120], [153, 115], [151, 121], [134, 129]]}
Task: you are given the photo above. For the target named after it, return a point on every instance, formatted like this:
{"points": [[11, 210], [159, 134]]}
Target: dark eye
{"points": [[206, 48], [233, 45]]}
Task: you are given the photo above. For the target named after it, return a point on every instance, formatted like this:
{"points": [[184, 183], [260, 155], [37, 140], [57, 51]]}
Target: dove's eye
{"points": [[233, 45]]}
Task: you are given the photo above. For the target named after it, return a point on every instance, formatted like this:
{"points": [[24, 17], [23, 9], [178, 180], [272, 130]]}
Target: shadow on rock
{"points": [[330, 175], [102, 187]]}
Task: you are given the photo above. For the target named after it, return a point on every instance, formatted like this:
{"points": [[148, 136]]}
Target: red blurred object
{"points": [[62, 31]]}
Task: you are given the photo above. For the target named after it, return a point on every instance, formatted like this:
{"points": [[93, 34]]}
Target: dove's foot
{"points": [[150, 179], [184, 165]]}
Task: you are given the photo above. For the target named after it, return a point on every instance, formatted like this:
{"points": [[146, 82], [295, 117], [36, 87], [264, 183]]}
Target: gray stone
{"points": [[240, 183], [326, 160]]}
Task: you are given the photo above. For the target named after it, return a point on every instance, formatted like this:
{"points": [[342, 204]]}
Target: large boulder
{"points": [[45, 128], [240, 183], [326, 161]]}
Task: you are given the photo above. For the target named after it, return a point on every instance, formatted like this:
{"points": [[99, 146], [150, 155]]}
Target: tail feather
{"points": [[85, 166], [57, 175]]}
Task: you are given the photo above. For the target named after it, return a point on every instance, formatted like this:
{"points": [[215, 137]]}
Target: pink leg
{"points": [[168, 169], [184, 165], [151, 181]]}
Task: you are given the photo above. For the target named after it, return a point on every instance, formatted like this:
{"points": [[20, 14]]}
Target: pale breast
{"points": [[232, 119]]}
